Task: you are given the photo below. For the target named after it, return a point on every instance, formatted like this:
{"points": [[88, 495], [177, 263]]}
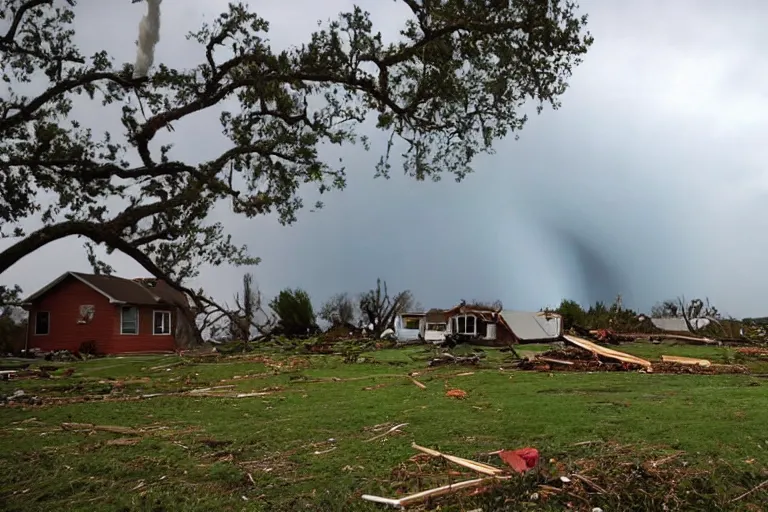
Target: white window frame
{"points": [[49, 323], [162, 312], [456, 320], [138, 320]]}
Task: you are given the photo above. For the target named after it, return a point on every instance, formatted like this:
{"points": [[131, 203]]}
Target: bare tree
{"points": [[339, 310], [240, 322], [380, 310], [690, 311]]}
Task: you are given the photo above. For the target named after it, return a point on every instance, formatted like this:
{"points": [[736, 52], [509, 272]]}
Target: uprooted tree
{"points": [[453, 84], [379, 310]]}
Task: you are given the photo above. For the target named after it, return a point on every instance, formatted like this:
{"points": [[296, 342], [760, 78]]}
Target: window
{"points": [[161, 322], [129, 320], [436, 327], [42, 323], [412, 323], [471, 325], [465, 324]]}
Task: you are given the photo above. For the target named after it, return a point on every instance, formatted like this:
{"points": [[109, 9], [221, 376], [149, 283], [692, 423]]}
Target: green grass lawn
{"points": [[303, 446]]}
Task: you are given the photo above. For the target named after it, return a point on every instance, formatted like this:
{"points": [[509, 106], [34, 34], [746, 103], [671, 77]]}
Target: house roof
{"points": [[529, 326], [436, 316], [120, 290], [670, 324]]}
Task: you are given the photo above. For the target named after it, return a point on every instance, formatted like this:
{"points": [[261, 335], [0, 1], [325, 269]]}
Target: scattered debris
{"points": [[607, 352], [446, 358], [206, 390], [753, 351], [19, 397], [686, 360], [420, 497], [390, 431], [469, 464], [321, 452], [419, 384], [61, 355], [456, 393], [6, 374], [128, 431], [756, 488], [520, 460], [712, 369], [555, 361], [124, 441]]}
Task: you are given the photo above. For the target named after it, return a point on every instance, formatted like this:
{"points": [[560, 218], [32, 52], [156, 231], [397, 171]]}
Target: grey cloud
{"points": [[648, 182]]}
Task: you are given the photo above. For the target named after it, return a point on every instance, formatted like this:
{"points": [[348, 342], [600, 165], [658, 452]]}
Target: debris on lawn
{"points": [[586, 356], [686, 360], [396, 428], [521, 460], [479, 467], [456, 393], [420, 497], [19, 398], [607, 352], [753, 351], [712, 369], [81, 427], [124, 441], [492, 475], [419, 384], [447, 358]]}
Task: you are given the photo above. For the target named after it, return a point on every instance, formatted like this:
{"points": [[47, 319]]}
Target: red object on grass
{"points": [[520, 460]]}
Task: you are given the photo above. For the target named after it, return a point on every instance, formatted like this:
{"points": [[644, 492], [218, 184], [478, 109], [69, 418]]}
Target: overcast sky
{"points": [[648, 182]]}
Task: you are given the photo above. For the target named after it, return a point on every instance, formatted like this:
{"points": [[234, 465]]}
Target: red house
{"points": [[109, 314]]}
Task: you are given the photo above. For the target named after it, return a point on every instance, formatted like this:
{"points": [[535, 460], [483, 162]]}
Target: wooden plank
{"points": [[606, 352], [469, 464], [686, 360]]}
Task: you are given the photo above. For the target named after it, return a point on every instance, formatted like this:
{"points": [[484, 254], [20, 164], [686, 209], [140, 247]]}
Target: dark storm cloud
{"points": [[649, 182]]}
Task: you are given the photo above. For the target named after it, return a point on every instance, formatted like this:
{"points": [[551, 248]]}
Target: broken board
{"points": [[686, 360], [606, 352]]}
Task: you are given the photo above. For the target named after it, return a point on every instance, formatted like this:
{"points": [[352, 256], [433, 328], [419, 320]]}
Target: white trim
{"points": [[456, 319], [165, 312], [49, 323], [138, 320]]}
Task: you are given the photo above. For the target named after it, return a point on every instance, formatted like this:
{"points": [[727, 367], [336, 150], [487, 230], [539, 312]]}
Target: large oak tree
{"points": [[453, 84]]}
